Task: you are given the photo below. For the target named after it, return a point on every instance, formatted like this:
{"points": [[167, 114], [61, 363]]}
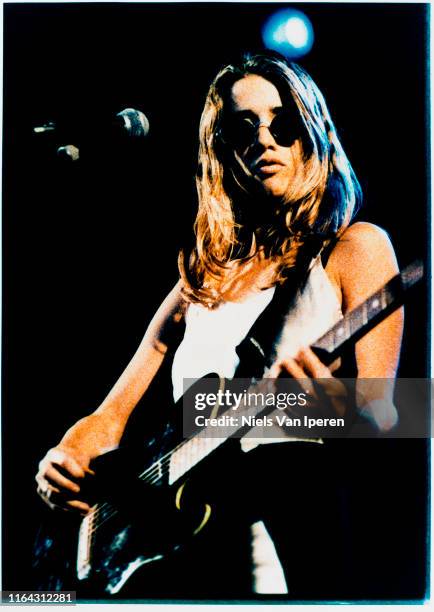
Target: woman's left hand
{"points": [[326, 394]]}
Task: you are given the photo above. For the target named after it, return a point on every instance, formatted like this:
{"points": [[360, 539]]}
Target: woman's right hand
{"points": [[62, 470]]}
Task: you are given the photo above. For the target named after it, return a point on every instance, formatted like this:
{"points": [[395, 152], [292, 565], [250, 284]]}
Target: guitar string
{"points": [[151, 475], [146, 475], [158, 468], [154, 473], [153, 469], [150, 478]]}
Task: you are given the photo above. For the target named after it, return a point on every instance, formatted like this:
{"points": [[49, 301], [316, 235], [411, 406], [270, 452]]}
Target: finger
{"points": [[44, 485], [76, 504], [292, 367], [46, 492], [64, 460], [55, 500], [57, 506], [296, 371], [54, 476], [274, 371], [335, 365], [312, 364], [45, 489], [330, 390], [289, 366]]}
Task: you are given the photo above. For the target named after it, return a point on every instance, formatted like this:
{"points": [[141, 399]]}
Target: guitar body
{"points": [[135, 522], [151, 499], [138, 517]]}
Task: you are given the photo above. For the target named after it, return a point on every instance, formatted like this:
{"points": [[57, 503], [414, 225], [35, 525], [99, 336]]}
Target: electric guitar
{"points": [[117, 537]]}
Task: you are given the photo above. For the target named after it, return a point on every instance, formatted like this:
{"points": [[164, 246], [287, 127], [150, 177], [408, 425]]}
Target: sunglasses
{"points": [[241, 132]]}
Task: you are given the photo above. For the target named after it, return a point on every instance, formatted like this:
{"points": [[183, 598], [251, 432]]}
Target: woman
{"points": [[276, 196]]}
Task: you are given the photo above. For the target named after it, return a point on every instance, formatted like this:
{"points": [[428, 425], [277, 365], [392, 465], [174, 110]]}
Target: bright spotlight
{"points": [[289, 32]]}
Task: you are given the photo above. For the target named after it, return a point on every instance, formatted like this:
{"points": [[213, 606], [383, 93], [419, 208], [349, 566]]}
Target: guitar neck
{"points": [[350, 328], [193, 451], [359, 321]]}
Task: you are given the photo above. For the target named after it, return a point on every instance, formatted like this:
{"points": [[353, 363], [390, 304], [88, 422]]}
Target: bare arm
{"points": [[144, 365], [360, 264], [102, 430]]}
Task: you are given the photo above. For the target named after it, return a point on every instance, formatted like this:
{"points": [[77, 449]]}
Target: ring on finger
{"points": [[43, 488]]}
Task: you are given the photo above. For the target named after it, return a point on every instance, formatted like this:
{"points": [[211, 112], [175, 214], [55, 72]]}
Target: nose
{"points": [[264, 136]]}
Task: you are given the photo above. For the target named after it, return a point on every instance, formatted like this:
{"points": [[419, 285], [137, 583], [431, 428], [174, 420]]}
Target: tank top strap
{"points": [[304, 302], [327, 251]]}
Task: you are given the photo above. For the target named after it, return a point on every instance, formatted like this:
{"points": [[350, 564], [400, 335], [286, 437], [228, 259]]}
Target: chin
{"points": [[275, 187], [275, 190]]}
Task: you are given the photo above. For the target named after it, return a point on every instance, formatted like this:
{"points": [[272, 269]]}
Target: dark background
{"points": [[90, 246]]}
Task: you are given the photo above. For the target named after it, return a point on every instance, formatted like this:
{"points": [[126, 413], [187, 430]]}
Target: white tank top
{"points": [[212, 335], [210, 340]]}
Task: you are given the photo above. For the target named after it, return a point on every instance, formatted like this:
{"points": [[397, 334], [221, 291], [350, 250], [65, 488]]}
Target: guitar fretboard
{"points": [[191, 452], [357, 322], [377, 306]]}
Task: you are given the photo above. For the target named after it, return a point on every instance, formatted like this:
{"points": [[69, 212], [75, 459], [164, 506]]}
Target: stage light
{"points": [[289, 32]]}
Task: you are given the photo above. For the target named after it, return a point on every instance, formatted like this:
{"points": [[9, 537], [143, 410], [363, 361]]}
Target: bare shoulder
{"points": [[171, 309], [175, 303], [362, 261], [362, 240]]}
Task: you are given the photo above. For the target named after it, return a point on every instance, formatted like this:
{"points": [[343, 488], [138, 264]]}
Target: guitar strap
{"points": [[258, 349]]}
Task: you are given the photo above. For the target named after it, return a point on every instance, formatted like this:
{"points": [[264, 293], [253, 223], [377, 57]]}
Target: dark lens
{"points": [[239, 132], [284, 129]]}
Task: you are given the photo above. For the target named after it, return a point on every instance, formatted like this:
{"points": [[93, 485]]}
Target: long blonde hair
{"points": [[317, 207]]}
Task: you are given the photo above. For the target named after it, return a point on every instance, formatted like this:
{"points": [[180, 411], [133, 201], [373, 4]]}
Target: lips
{"points": [[267, 167]]}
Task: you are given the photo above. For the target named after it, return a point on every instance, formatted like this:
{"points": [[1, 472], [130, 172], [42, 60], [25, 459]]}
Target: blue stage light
{"points": [[289, 32]]}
